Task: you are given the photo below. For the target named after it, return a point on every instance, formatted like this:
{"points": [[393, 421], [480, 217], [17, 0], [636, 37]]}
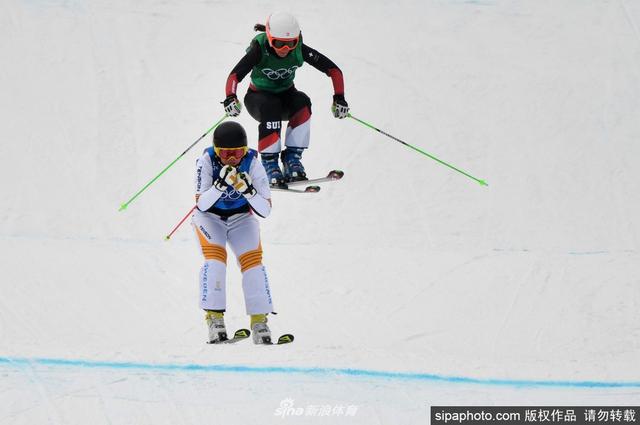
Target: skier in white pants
{"points": [[231, 188]]}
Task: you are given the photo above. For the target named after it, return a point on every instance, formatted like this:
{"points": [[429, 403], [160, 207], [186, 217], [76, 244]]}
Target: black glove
{"points": [[340, 107], [232, 105]]}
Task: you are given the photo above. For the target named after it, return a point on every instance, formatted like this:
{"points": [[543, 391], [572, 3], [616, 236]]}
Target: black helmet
{"points": [[229, 134]]}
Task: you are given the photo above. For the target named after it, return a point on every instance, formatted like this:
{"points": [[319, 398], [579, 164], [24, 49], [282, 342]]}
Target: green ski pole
{"points": [[126, 204], [482, 182]]}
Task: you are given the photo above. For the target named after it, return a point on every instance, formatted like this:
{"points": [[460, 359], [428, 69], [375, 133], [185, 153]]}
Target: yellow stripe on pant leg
{"points": [[212, 251], [250, 259]]}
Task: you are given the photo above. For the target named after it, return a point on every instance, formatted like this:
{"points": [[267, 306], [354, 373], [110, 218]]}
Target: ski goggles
{"points": [[284, 45], [228, 154]]}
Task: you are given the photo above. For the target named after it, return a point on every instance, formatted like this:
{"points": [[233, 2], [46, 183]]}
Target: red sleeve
{"points": [[242, 68], [337, 80], [232, 84]]}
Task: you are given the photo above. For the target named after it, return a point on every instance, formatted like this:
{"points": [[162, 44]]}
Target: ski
{"points": [[332, 176], [308, 189], [311, 184], [284, 339], [239, 335]]}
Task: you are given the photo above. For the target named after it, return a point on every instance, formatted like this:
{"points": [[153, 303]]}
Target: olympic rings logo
{"points": [[231, 195], [279, 74]]}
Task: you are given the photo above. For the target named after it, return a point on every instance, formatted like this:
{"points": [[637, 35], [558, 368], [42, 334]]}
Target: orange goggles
{"points": [[225, 154], [284, 45]]}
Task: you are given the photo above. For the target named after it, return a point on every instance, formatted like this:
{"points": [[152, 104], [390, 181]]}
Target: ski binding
{"points": [[239, 335]]}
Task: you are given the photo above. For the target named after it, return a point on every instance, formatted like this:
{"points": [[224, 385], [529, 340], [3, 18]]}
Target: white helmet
{"points": [[282, 25]]}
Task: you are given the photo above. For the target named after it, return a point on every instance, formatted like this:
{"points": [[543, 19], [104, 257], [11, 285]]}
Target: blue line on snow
{"points": [[92, 364]]}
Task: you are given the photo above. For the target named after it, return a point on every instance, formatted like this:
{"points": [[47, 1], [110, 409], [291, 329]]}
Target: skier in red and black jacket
{"points": [[273, 57]]}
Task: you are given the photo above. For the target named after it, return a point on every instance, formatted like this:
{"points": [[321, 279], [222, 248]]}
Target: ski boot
{"points": [[271, 166], [259, 329], [293, 168], [217, 330]]}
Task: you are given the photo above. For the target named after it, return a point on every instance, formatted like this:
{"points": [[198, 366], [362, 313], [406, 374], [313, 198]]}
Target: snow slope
{"points": [[404, 266]]}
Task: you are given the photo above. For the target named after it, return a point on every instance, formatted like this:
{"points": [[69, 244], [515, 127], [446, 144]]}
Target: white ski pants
{"points": [[242, 233]]}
